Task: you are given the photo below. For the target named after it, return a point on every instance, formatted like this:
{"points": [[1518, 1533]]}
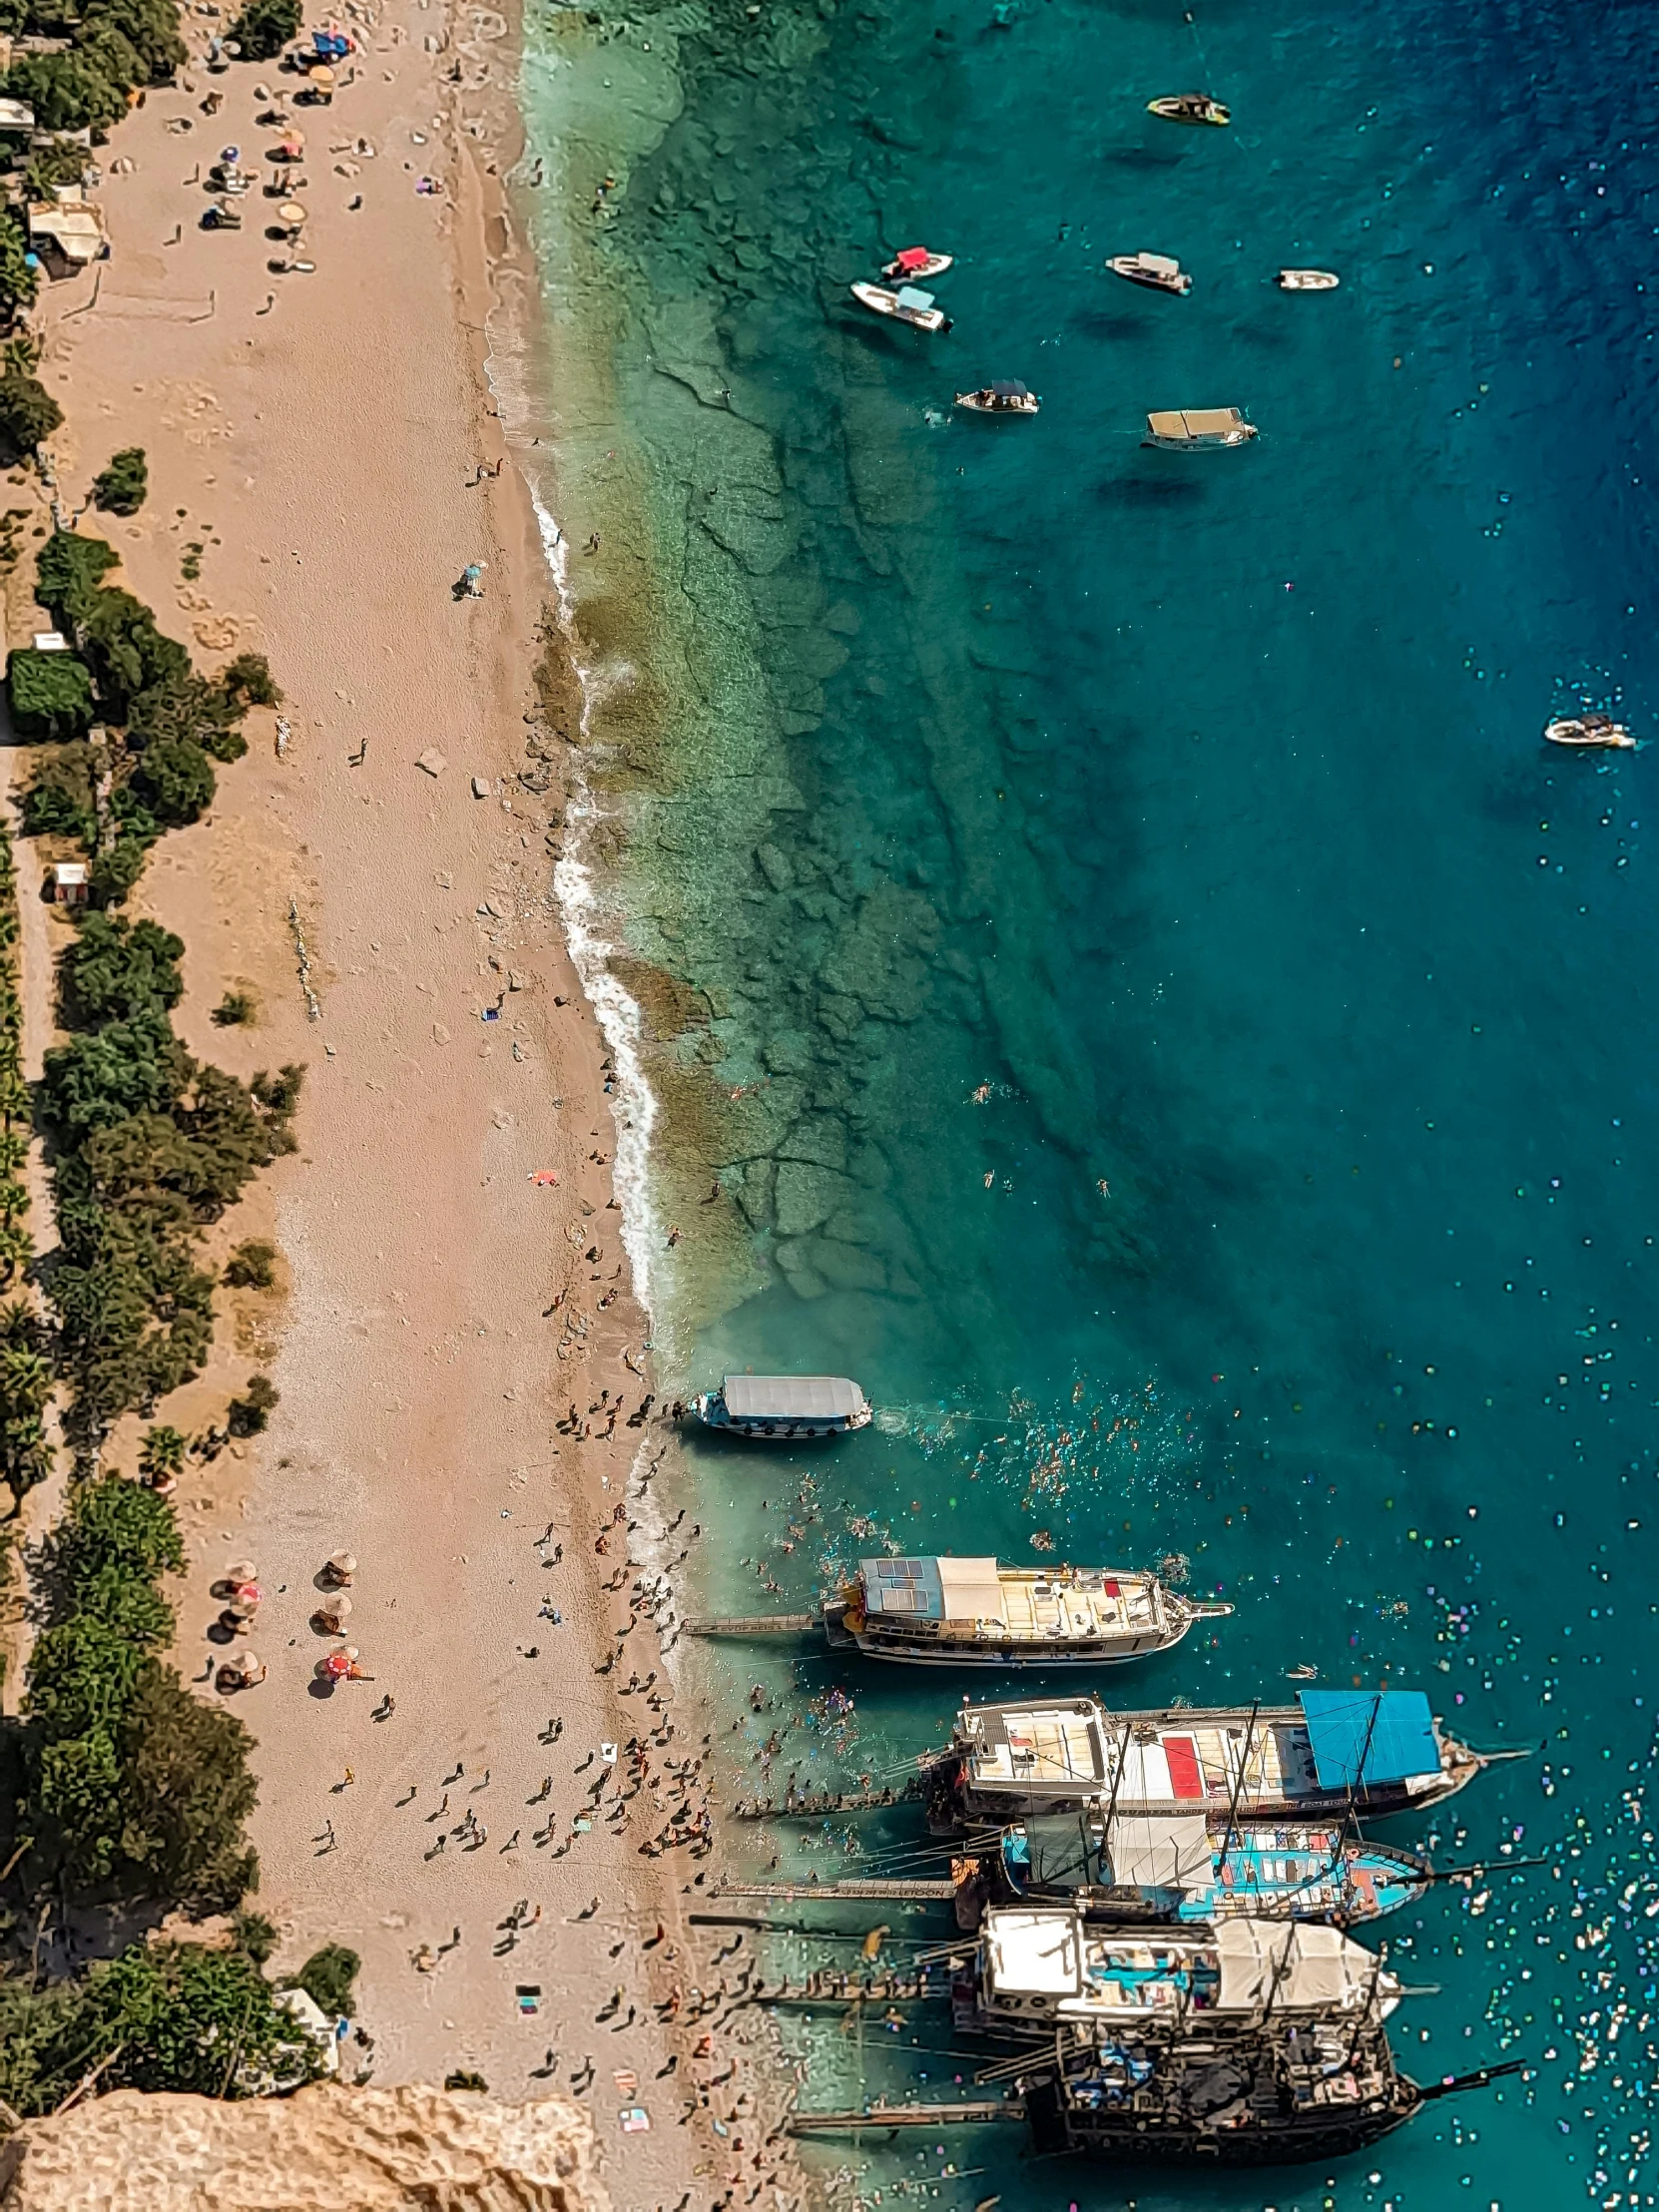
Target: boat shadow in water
{"points": [[1100, 322], [1148, 491]]}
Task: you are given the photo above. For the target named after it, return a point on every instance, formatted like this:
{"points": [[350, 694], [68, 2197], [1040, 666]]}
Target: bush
{"points": [[251, 1413], [162, 1454], [254, 1934], [327, 1978], [49, 693], [18, 280], [70, 92], [51, 810], [27, 414], [121, 488], [68, 573], [116, 969], [193, 2019], [252, 1266], [186, 705], [264, 28], [248, 682], [176, 781], [235, 1011]]}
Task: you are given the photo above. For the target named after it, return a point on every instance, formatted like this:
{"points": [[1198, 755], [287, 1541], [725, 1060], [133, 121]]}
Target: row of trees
{"points": [[117, 47], [26, 1375]]}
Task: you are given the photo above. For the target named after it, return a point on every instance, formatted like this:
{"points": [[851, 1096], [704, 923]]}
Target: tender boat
{"points": [[1007, 396], [1591, 730], [1042, 1967], [1191, 107], [1331, 1755], [1308, 280], [1191, 430], [914, 265], [778, 1407], [1156, 271], [907, 304], [1190, 1866], [972, 1612]]}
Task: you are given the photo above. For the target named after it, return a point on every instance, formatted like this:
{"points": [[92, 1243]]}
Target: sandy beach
{"points": [[452, 1284]]}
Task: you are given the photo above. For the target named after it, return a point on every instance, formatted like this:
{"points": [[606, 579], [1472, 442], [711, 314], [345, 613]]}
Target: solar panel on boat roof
{"points": [[791, 1397]]}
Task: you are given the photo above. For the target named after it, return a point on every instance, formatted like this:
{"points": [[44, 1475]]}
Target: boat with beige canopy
{"points": [[1193, 429]]}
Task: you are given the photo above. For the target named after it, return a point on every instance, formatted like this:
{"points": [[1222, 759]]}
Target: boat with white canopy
{"points": [[778, 1407]]}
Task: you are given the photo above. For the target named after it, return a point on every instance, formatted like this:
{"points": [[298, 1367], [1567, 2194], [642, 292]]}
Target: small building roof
{"points": [[67, 872], [791, 1397], [73, 227], [49, 641], [14, 115]]}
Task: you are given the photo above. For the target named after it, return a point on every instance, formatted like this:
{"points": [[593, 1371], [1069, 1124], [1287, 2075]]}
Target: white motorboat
{"points": [[914, 265], [1007, 396], [907, 304], [1308, 280], [779, 1407], [1591, 731], [1156, 271]]}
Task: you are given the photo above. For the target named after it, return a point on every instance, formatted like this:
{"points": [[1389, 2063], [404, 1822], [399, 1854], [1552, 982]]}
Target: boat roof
{"points": [[791, 1397], [908, 296], [933, 1589], [1159, 1851], [1301, 1965], [1165, 265], [1194, 422], [1009, 387], [1369, 1736], [1036, 1743]]}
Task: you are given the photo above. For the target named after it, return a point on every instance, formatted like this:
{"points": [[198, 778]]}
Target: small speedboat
{"points": [[907, 304], [1007, 396], [778, 1407], [1189, 429], [1156, 271], [1593, 731], [1308, 280], [914, 265], [1191, 107]]}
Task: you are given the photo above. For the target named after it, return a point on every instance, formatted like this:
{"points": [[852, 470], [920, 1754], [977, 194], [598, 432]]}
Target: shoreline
{"points": [[420, 1407]]}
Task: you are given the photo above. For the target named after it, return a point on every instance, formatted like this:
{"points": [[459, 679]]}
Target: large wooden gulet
{"points": [[943, 1611]]}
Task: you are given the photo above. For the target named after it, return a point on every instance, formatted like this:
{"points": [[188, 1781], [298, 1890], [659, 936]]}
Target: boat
{"points": [[779, 1407], [1189, 429], [1308, 280], [1334, 1754], [907, 304], [1191, 107], [1006, 397], [1040, 1968], [1188, 1866], [953, 1612], [1592, 730], [1156, 271], [915, 264]]}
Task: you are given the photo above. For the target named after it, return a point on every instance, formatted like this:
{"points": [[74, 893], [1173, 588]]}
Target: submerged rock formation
{"points": [[349, 2150]]}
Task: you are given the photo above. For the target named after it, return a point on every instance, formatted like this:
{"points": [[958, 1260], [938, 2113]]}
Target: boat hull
{"points": [[1308, 280], [1201, 445], [1593, 738], [1149, 280], [963, 1652]]}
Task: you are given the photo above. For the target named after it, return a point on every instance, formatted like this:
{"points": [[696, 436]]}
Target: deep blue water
{"points": [[1195, 809]]}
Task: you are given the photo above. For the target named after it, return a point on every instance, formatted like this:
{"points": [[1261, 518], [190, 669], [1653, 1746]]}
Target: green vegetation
{"points": [[121, 488], [264, 28], [252, 1266], [190, 2018], [26, 1375], [250, 1412], [327, 1978], [118, 47], [27, 414], [129, 1786], [50, 694], [248, 681], [116, 968], [235, 1011], [162, 1454]]}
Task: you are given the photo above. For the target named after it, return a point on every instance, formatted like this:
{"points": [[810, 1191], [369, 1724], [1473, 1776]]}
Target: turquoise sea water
{"points": [[1156, 1012]]}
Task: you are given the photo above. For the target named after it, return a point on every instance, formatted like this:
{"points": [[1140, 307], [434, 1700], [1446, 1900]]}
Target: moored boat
{"points": [[914, 265], [953, 1612], [1006, 397], [1190, 107], [1190, 1866], [1040, 1968], [1191, 430], [1334, 1753], [907, 304], [1308, 280], [778, 1407], [1592, 730], [1158, 271]]}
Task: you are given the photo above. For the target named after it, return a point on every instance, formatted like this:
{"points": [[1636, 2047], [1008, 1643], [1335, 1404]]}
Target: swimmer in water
{"points": [[981, 1094]]}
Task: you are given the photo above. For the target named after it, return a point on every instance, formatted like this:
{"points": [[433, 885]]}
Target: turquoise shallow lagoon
{"points": [[1154, 1010]]}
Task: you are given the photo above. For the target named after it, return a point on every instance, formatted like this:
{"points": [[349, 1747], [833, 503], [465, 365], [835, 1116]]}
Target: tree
{"points": [[176, 781], [51, 694], [115, 969], [127, 1067], [69, 92], [252, 1266], [121, 488], [186, 705], [114, 1523], [27, 414], [51, 810], [249, 682], [264, 28], [327, 1978], [68, 573], [162, 1454], [250, 1412], [19, 282], [192, 2018]]}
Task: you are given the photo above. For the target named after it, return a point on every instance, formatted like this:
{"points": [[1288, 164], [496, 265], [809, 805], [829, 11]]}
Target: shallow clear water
{"points": [[1154, 1010]]}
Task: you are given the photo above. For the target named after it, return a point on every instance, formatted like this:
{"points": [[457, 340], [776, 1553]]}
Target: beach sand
{"points": [[321, 453]]}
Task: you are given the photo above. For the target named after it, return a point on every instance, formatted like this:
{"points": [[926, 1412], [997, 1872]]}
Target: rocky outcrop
{"points": [[327, 2149]]}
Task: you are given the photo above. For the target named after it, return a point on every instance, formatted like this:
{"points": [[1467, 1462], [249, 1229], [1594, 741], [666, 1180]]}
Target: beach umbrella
{"points": [[343, 1565], [334, 1609], [323, 78], [251, 1665], [291, 216], [248, 1593], [341, 1663], [240, 1571]]}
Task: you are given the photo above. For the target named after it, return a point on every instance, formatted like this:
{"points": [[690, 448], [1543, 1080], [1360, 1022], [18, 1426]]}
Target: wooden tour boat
{"points": [[1193, 429], [1191, 107], [953, 1612]]}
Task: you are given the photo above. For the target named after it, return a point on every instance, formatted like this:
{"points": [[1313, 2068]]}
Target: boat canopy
{"points": [[933, 1589], [1169, 1850], [918, 301], [1161, 263], [1036, 1952], [791, 1397], [1301, 1965], [1010, 387], [1195, 423], [1369, 1736]]}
